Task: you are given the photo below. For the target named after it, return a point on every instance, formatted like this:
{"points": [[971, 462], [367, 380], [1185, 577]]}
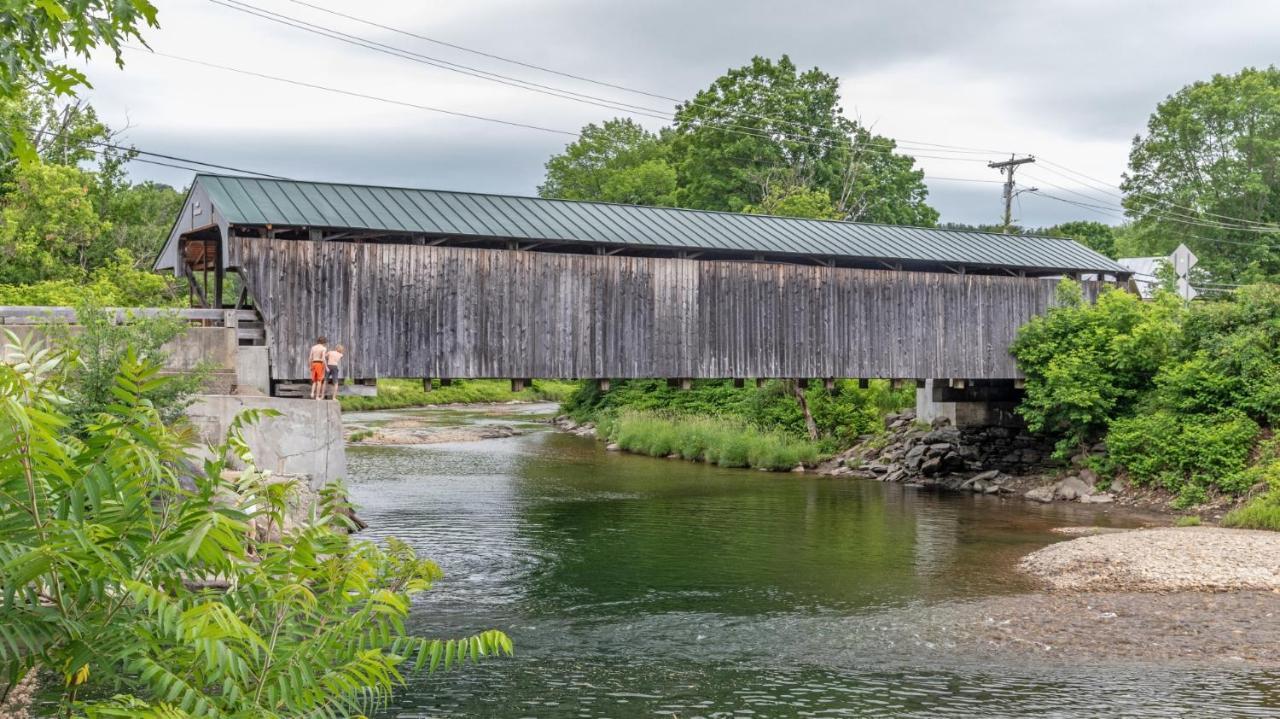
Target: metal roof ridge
{"points": [[691, 210]]}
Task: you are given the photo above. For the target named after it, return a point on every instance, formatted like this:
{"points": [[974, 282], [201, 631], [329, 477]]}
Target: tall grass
{"points": [[720, 441], [399, 393], [1263, 511]]}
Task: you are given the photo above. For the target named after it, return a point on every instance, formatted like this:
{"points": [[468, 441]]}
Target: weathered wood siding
{"points": [[425, 311]]}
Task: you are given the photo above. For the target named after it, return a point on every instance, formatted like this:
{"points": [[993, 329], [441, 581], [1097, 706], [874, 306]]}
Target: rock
{"points": [[799, 469], [1119, 484], [896, 475], [937, 448], [1040, 494], [992, 489], [1072, 488], [931, 466], [916, 451], [673, 455], [1089, 477], [947, 435], [986, 476], [1100, 498], [612, 447]]}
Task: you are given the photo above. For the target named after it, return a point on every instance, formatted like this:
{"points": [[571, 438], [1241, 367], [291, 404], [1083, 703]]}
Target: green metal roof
{"points": [[249, 201]]}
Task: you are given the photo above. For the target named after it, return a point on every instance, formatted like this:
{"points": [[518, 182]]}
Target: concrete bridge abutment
{"points": [[971, 403]]}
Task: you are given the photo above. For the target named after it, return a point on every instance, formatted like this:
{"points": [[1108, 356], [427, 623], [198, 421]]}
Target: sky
{"points": [[957, 83]]}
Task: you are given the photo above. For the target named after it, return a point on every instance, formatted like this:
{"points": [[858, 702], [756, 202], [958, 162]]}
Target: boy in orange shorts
{"points": [[315, 358]]}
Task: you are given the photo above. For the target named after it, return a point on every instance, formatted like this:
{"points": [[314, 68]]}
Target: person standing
{"points": [[333, 364], [315, 358]]}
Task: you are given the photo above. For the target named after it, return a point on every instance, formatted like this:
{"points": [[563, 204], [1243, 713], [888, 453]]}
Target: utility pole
{"points": [[1006, 168]]}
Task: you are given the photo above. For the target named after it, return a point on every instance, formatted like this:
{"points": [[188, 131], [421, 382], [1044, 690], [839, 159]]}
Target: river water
{"points": [[638, 587]]}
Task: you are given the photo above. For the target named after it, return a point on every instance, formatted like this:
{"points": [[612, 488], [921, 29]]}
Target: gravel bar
{"points": [[1167, 559]]}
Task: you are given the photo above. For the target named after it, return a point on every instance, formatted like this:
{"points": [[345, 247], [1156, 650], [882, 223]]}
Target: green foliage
{"points": [[1178, 450], [723, 442], [142, 586], [1094, 235], [1189, 520], [119, 283], [1181, 392], [618, 161], [763, 138], [48, 224], [796, 202], [1262, 511], [398, 393], [1086, 363], [841, 415], [97, 348], [35, 37], [1211, 153]]}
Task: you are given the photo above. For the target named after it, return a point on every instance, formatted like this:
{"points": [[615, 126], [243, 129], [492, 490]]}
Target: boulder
{"points": [[931, 466], [1072, 488], [1100, 498], [612, 447], [986, 476], [916, 451], [1040, 494], [1089, 477], [799, 469]]}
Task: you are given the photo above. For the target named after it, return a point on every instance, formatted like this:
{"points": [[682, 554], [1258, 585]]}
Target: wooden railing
{"points": [[247, 323]]}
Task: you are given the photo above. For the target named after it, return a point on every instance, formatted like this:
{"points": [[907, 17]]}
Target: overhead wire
{"points": [[653, 113], [583, 78]]}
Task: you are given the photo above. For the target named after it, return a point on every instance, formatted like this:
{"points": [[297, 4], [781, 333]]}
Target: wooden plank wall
{"points": [[426, 311]]}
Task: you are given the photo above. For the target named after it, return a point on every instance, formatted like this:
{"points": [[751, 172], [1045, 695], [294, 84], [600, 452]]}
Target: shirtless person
{"points": [[333, 360], [315, 358]]}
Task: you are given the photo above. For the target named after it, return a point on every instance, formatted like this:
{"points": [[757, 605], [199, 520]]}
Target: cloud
{"points": [[1069, 81]]}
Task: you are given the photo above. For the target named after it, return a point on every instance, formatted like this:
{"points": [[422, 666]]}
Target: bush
{"points": [[719, 441], [1190, 520], [142, 586], [118, 284], [400, 393], [841, 416], [1180, 451]]}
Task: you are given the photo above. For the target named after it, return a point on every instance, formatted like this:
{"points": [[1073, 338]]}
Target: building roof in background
{"points": [[1144, 271], [437, 213]]}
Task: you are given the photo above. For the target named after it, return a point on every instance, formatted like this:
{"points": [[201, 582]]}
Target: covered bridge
{"points": [[429, 283]]}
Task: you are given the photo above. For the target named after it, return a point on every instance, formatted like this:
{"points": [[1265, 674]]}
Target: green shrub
{"points": [[1177, 451], [400, 393], [719, 441], [1190, 520], [117, 284], [139, 585]]}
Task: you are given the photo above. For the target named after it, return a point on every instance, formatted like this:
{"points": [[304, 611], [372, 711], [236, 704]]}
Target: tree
{"points": [[796, 202], [35, 35], [1096, 236], [49, 228], [1207, 170], [140, 586], [618, 161], [767, 124]]}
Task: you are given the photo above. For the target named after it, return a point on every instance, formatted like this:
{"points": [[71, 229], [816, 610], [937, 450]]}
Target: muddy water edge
{"points": [[639, 587]]}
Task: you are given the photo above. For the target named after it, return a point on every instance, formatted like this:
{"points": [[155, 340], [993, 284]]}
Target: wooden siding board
{"points": [[427, 311]]}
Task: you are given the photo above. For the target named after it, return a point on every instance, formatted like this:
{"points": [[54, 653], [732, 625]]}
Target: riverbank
{"points": [[407, 393]]}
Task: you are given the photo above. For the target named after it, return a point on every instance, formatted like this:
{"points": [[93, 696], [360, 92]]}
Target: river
{"points": [[638, 587]]}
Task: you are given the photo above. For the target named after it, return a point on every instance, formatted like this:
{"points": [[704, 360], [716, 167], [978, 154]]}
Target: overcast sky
{"points": [[1070, 81]]}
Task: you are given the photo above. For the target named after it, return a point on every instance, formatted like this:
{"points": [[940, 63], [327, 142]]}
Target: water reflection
{"points": [[641, 587]]}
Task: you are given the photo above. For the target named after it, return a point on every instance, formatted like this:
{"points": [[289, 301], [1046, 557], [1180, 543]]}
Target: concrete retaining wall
{"points": [[306, 439]]}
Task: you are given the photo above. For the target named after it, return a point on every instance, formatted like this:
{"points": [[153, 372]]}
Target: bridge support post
{"points": [[863, 383], [739, 383], [603, 384], [445, 381], [426, 384], [760, 381], [978, 403], [829, 384]]}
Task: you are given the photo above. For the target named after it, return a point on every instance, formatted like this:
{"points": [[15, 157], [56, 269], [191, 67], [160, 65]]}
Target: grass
{"points": [[715, 440], [399, 393], [1259, 513], [1189, 520]]}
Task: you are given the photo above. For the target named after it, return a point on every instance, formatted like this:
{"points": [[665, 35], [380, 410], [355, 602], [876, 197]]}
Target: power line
{"points": [[1105, 211], [352, 93], [175, 158], [1107, 188], [654, 113], [583, 78]]}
